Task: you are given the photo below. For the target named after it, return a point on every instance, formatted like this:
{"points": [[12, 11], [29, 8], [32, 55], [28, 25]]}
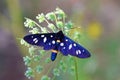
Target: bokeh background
{"points": [[100, 19]]}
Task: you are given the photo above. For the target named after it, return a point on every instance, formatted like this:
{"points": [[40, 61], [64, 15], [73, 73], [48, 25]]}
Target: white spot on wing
{"points": [[51, 36], [70, 46], [31, 36], [74, 44], [61, 44], [49, 43], [83, 50], [45, 39], [78, 52], [63, 47], [53, 42], [42, 35], [66, 40], [35, 40]]}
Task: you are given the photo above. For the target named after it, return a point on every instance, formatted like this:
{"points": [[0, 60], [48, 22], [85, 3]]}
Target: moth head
{"points": [[60, 35]]}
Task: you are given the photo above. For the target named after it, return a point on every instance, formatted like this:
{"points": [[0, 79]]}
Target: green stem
{"points": [[56, 21], [63, 23], [55, 18], [47, 21], [76, 69], [48, 24]]}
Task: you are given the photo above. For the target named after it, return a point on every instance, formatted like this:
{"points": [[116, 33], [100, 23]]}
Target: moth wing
{"points": [[68, 46], [43, 40]]}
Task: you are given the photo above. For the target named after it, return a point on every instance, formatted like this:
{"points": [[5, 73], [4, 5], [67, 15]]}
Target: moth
{"points": [[57, 42]]}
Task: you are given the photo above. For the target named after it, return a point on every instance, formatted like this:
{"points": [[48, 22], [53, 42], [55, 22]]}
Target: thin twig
{"points": [[76, 70]]}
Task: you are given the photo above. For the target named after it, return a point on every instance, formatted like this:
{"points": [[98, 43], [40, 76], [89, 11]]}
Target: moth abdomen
{"points": [[54, 55]]}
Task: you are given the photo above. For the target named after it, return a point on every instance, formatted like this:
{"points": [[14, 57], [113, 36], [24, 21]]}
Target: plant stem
{"points": [[76, 70]]}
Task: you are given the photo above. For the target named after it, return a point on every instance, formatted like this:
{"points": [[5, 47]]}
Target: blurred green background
{"points": [[100, 19]]}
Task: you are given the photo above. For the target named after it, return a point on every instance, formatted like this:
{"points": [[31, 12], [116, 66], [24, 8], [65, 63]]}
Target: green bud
{"points": [[47, 60], [22, 41], [31, 50], [29, 23], [36, 58], [52, 26], [60, 24], [39, 69], [50, 16], [69, 25], [61, 62], [34, 31], [76, 35], [29, 73], [41, 17], [27, 60], [60, 13], [42, 52], [56, 72], [44, 30]]}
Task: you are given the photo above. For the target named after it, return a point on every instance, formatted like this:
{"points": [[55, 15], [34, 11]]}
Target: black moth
{"points": [[57, 42]]}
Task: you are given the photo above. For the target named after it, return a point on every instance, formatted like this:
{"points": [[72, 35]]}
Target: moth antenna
{"points": [[75, 27]]}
